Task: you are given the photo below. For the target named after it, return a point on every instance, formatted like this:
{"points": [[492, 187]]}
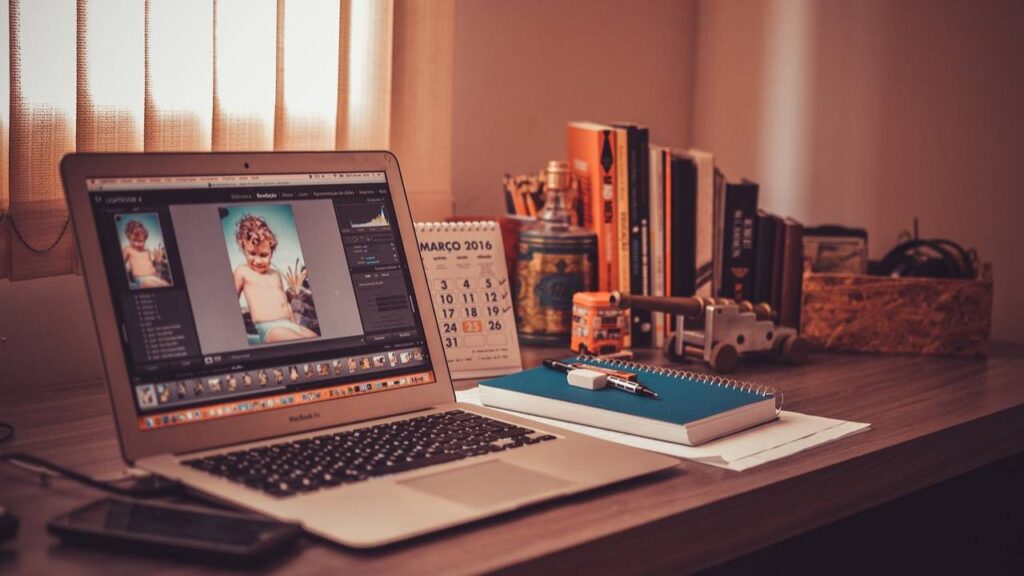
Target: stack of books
{"points": [[759, 256], [669, 224]]}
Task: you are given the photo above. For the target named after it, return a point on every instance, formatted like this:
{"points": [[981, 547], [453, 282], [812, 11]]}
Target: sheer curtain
{"points": [[200, 75]]}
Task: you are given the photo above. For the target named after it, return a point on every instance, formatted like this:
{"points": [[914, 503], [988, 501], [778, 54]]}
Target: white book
{"points": [[657, 247]]}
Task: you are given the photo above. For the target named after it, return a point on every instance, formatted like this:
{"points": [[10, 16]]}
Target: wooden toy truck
{"points": [[714, 330]]}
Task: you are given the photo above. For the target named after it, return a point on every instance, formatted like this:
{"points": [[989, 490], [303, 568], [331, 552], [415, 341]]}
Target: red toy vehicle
{"points": [[598, 325]]}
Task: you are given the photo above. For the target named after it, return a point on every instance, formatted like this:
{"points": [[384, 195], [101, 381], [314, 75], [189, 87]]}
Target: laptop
{"points": [[269, 341]]}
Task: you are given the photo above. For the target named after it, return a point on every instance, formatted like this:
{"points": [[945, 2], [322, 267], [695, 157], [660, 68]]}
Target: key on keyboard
{"points": [[331, 459]]}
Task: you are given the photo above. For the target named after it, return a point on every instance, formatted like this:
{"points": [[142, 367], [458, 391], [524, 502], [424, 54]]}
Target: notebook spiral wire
{"points": [[472, 226], [711, 379]]}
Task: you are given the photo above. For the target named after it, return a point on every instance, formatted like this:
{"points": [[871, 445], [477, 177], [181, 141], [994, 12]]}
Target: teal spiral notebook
{"points": [[691, 409]]}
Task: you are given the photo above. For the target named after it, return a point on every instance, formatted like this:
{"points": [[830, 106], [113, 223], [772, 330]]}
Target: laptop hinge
{"points": [[318, 429]]}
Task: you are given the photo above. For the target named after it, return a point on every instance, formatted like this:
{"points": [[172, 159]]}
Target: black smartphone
{"points": [[202, 533]]}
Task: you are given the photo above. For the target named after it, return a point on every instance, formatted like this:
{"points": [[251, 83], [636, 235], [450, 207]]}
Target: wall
{"points": [[863, 113], [46, 333], [869, 113], [524, 68], [421, 110]]}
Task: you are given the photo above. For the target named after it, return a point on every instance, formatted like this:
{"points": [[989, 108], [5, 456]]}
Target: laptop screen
{"points": [[247, 293]]}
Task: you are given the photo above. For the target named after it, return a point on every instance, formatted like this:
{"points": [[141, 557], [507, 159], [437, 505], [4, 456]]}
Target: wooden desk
{"points": [[932, 419]]}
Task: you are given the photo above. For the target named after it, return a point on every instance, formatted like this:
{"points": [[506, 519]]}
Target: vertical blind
{"points": [[200, 75]]}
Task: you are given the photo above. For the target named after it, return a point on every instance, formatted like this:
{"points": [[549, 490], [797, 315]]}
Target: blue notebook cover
{"points": [[683, 398]]}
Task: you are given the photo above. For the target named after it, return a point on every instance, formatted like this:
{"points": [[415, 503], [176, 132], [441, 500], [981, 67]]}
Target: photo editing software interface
{"points": [[247, 293]]}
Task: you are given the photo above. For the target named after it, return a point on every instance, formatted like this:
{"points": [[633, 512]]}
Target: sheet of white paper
{"points": [[824, 437], [791, 433]]}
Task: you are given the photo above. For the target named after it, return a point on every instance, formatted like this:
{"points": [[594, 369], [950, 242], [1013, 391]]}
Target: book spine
{"points": [[792, 275], [640, 332], [684, 223], [718, 258], [635, 244], [738, 247], [607, 203], [666, 162], [705, 221], [583, 149], [591, 152], [622, 229], [657, 248], [643, 208], [764, 252]]}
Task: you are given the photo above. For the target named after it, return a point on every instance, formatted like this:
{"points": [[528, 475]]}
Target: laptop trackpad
{"points": [[487, 484]]}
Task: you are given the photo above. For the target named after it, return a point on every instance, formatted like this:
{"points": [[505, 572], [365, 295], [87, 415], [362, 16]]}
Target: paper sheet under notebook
{"points": [[791, 433]]}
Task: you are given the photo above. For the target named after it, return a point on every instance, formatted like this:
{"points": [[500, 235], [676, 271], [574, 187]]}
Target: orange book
{"points": [[592, 152], [622, 255]]}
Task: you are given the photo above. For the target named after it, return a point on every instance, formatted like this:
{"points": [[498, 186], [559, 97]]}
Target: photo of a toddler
{"points": [[277, 306], [143, 252]]}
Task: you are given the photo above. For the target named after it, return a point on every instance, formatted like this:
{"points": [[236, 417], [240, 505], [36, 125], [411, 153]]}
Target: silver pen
{"points": [[631, 387]]}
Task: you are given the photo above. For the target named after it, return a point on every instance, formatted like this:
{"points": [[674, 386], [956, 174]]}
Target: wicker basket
{"points": [[911, 315]]}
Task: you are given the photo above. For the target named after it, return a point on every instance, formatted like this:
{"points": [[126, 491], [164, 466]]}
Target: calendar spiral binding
{"points": [[710, 379], [465, 226]]}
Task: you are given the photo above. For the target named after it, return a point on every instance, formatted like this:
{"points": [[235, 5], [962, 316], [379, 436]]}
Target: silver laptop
{"points": [[269, 341]]}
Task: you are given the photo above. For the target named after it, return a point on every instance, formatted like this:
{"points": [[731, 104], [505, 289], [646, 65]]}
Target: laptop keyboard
{"points": [[310, 464]]}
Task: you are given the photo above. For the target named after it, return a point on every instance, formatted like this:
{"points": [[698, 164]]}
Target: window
{"points": [[198, 75]]}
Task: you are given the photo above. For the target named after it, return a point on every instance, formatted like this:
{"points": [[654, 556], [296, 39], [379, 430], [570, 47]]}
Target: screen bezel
{"points": [[137, 443]]}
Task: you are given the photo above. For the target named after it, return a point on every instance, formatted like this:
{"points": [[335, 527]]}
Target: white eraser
{"points": [[589, 379]]}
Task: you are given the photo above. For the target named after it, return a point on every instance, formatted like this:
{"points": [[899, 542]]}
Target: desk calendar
{"points": [[472, 296]]}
